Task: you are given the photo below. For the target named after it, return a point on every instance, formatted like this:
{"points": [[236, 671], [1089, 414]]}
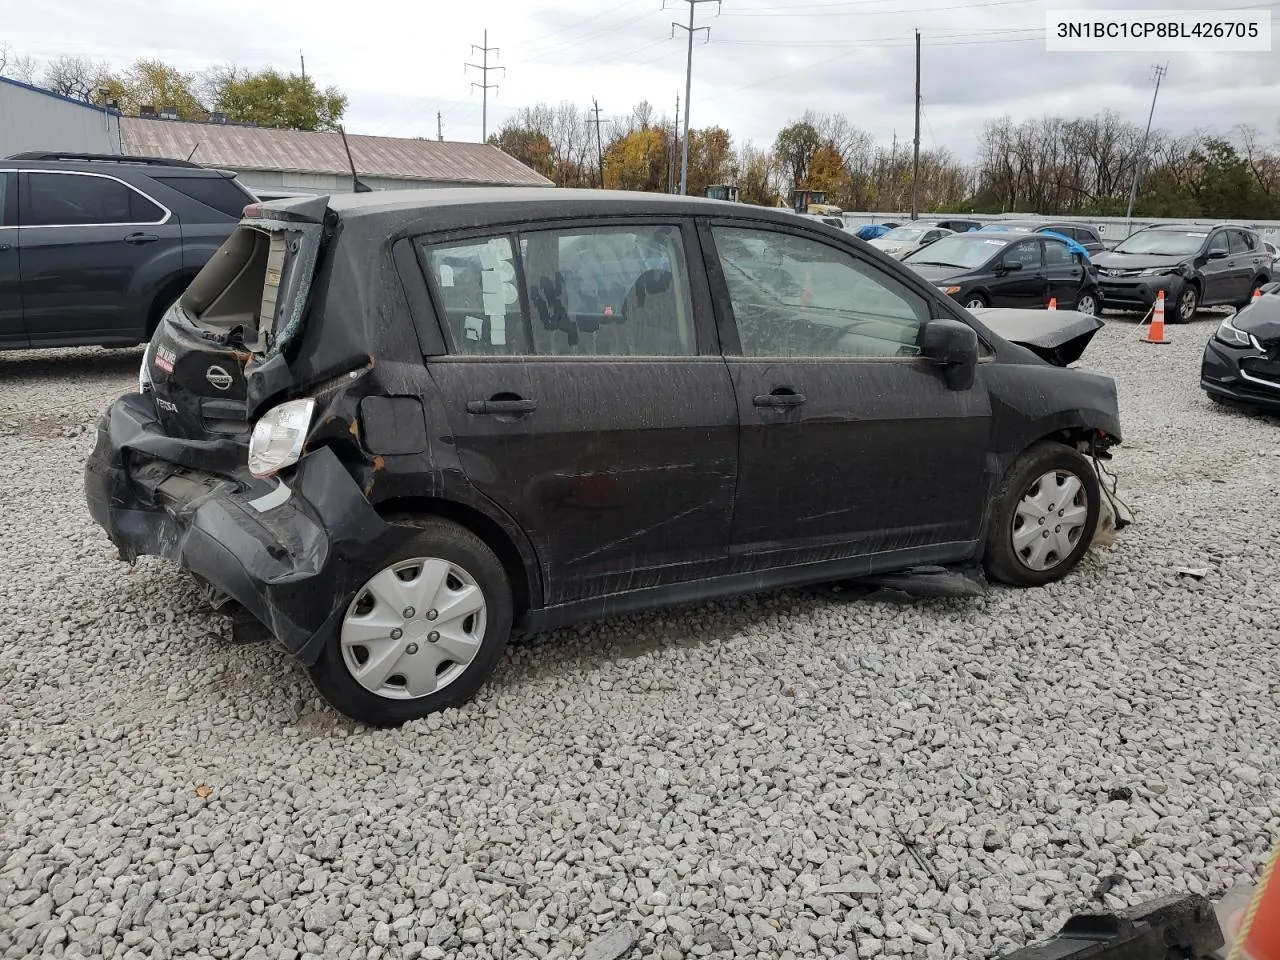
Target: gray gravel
{"points": [[735, 779]]}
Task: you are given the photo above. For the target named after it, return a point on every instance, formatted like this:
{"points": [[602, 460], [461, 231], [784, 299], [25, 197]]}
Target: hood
{"points": [[1110, 260], [1262, 318], [937, 274], [1057, 336]]}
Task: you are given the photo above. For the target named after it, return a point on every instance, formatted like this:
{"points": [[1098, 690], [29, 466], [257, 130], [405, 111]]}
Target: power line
{"points": [[688, 83], [486, 86]]}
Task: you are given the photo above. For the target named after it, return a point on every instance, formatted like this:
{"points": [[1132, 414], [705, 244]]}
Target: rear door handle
{"points": [[779, 399], [491, 408], [137, 238]]}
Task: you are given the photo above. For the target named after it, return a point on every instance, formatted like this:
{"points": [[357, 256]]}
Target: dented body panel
{"points": [[634, 482]]}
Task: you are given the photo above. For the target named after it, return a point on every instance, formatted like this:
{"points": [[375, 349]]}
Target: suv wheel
{"points": [[1045, 517], [1257, 285], [424, 631], [1187, 304]]}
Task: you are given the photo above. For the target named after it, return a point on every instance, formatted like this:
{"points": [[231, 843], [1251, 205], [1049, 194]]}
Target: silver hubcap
{"points": [[974, 305], [413, 629], [1187, 306], [1049, 520], [1087, 306]]}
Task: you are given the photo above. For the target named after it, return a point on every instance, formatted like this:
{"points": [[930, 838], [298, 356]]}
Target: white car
{"points": [[900, 241]]}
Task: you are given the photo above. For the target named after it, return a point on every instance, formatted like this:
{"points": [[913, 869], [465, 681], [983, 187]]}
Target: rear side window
{"points": [[1242, 242], [589, 292], [66, 199], [8, 199], [219, 193], [1057, 253]]}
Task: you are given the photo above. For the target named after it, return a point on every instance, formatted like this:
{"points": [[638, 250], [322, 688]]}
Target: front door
{"points": [[587, 398], [1218, 270], [1025, 287], [94, 252], [12, 332], [852, 444]]}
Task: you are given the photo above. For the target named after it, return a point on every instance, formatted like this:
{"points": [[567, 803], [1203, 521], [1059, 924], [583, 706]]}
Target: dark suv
{"points": [[93, 249], [1081, 233], [1193, 266], [392, 426]]}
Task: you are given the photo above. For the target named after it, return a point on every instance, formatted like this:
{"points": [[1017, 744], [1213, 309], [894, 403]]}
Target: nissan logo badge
{"points": [[218, 377]]}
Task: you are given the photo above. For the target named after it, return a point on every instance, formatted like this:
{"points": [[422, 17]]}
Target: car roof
{"points": [[452, 207], [109, 165]]}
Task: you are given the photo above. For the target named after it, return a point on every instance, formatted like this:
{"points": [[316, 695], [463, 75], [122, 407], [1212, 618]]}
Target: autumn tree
{"points": [[757, 173], [638, 161], [530, 147], [711, 159], [794, 150], [273, 99], [158, 84], [827, 172]]}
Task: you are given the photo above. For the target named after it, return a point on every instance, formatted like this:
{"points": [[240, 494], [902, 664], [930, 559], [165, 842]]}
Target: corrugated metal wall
{"points": [[33, 120]]}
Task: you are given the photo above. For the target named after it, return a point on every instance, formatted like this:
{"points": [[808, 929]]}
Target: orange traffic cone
{"points": [[1155, 332], [1257, 294], [1053, 303]]}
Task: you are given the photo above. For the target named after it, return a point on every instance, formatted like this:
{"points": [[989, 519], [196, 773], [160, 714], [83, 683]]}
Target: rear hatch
{"points": [[244, 307]]}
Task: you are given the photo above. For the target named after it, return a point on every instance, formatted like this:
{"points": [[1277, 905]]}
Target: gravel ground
{"points": [[736, 779]]}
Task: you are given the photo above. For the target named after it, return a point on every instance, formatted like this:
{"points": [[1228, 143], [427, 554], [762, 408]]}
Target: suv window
{"points": [[796, 297], [1218, 242], [1087, 235], [72, 199], [219, 193], [1057, 253], [7, 206], [1242, 242], [607, 291]]}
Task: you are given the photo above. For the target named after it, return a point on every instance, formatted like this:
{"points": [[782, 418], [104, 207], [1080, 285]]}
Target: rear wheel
{"points": [[1045, 516], [975, 301], [1087, 304], [423, 632], [1254, 288]]}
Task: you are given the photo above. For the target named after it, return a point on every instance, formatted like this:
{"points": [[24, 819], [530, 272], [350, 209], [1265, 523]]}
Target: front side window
{"points": [[65, 200], [796, 297], [476, 282], [608, 292], [1218, 242], [1026, 253]]}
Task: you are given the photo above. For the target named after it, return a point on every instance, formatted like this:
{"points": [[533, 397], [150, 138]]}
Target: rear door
{"points": [[1249, 258], [852, 444], [12, 332], [586, 397], [1064, 272], [95, 253]]}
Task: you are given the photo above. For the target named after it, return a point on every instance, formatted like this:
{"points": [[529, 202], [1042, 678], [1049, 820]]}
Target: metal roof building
{"points": [[316, 162]]}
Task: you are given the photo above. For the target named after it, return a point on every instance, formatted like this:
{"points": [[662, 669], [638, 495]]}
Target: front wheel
{"points": [[1187, 304], [1045, 516], [975, 301], [422, 633], [1087, 304]]}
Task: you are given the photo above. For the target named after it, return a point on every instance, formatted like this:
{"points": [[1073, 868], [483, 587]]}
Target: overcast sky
{"points": [[767, 60]]}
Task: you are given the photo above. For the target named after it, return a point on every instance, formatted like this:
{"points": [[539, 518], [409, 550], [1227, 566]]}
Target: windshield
{"points": [[966, 251], [904, 235], [1165, 243]]}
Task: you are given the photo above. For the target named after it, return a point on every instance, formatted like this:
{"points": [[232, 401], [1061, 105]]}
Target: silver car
{"points": [[903, 240]]}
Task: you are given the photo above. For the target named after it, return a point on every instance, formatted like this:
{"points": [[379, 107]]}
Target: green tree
{"points": [[794, 150], [157, 84], [274, 99], [1223, 185], [530, 147]]}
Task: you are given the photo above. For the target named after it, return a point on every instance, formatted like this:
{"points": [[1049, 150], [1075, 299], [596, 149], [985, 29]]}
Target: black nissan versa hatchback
{"points": [[392, 426]]}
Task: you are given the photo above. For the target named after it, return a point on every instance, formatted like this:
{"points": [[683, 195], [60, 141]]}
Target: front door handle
{"points": [[777, 399], [137, 238], [501, 408]]}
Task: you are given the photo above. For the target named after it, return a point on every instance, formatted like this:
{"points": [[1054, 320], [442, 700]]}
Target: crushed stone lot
{"points": [[731, 780]]}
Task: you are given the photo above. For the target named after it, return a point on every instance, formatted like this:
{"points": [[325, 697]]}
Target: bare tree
{"points": [[77, 77]]}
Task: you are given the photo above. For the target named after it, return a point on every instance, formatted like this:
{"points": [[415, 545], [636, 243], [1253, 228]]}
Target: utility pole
{"points": [[439, 127], [486, 86], [304, 66], [1140, 161], [915, 157], [595, 111], [688, 83], [675, 149]]}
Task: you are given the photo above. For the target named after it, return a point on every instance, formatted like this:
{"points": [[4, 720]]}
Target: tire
{"points": [[1089, 301], [1185, 307], [1010, 558], [975, 301], [376, 637], [1258, 284]]}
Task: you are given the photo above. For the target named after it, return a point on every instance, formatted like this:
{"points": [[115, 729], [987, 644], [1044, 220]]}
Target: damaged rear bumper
{"points": [[291, 551]]}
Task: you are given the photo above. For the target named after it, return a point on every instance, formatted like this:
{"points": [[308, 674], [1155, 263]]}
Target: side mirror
{"points": [[954, 346], [1217, 254], [1010, 265]]}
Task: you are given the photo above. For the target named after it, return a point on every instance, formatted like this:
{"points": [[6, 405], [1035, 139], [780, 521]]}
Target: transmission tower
{"points": [[688, 81], [486, 86]]}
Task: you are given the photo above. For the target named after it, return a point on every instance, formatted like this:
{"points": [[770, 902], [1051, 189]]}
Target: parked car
{"points": [[392, 426], [957, 226], [1194, 266], [871, 231], [1082, 234], [1273, 252], [830, 219], [904, 240], [1008, 270], [1242, 359], [93, 249]]}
